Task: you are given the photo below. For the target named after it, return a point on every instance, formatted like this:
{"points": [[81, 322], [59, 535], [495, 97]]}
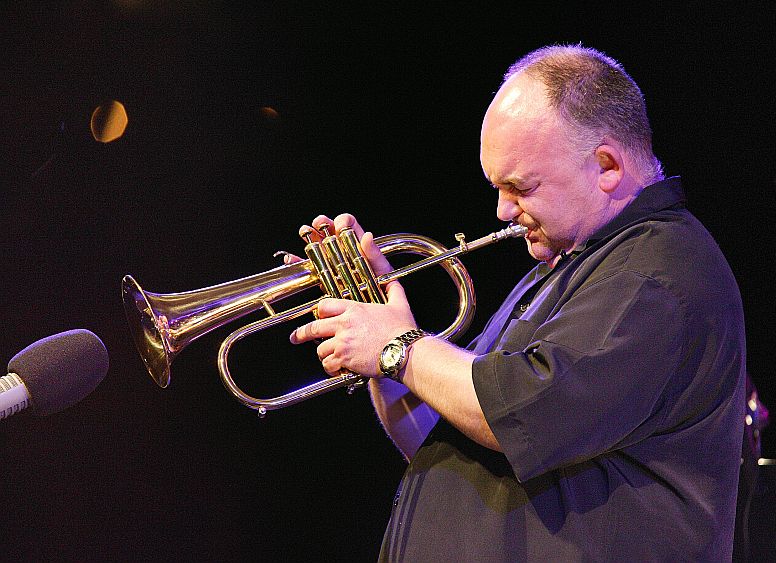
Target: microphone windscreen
{"points": [[61, 369]]}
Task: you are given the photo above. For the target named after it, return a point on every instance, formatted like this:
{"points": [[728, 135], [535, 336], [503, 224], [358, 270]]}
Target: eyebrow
{"points": [[517, 181]]}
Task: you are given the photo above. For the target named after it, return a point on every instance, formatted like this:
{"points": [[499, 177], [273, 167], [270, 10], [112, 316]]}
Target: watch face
{"points": [[391, 357]]}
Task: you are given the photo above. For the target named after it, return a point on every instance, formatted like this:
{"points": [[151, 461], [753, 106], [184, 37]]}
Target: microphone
{"points": [[53, 373]]}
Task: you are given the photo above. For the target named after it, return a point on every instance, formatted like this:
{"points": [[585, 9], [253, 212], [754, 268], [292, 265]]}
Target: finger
{"points": [[376, 258], [307, 230], [325, 349], [289, 258], [346, 220], [322, 220], [320, 328], [331, 365], [330, 307]]}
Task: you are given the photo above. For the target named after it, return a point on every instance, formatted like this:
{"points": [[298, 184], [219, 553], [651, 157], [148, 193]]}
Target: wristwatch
{"points": [[394, 355]]}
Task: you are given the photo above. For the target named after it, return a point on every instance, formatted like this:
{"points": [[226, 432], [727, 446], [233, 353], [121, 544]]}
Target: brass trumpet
{"points": [[163, 324]]}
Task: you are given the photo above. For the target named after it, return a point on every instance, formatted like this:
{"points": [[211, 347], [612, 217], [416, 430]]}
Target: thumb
{"points": [[377, 260], [396, 295]]}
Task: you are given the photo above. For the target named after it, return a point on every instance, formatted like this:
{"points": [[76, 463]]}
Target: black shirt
{"points": [[616, 394]]}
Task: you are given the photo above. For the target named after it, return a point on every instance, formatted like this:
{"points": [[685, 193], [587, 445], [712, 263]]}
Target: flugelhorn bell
{"points": [[164, 324]]}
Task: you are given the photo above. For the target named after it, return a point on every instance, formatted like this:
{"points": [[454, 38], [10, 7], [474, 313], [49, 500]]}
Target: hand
{"points": [[355, 333]]}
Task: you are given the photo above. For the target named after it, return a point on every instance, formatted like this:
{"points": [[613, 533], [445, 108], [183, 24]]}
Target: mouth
{"points": [[529, 230], [532, 235], [523, 229]]}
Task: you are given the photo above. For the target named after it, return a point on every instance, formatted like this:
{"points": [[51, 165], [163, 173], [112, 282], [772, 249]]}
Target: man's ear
{"points": [[611, 167]]}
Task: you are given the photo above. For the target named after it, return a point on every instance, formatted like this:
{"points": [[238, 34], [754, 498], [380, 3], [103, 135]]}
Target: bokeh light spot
{"points": [[109, 121], [269, 114]]}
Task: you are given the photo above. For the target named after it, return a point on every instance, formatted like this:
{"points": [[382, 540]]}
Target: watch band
{"points": [[412, 335]]}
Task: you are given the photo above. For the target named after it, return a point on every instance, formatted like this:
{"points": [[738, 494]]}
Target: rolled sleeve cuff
{"points": [[510, 433]]}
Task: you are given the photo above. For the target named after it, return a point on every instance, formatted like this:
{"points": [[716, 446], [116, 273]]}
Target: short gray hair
{"points": [[594, 95]]}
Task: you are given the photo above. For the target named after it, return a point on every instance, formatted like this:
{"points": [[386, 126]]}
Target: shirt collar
{"points": [[665, 194], [662, 195]]}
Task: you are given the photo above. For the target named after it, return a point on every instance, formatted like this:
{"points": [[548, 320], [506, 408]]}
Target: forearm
{"points": [[440, 374], [406, 419]]}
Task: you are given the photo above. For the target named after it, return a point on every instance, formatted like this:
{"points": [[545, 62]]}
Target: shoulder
{"points": [[675, 250]]}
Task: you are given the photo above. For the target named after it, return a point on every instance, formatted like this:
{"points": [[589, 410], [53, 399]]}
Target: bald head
{"points": [[521, 115], [595, 98], [520, 97]]}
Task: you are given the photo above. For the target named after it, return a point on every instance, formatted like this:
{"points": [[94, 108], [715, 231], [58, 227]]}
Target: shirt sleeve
{"points": [[592, 378]]}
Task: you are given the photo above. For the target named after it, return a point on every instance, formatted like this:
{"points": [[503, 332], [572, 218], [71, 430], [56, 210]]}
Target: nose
{"points": [[507, 208]]}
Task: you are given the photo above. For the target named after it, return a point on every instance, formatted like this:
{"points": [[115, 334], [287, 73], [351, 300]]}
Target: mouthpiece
{"points": [[512, 231]]}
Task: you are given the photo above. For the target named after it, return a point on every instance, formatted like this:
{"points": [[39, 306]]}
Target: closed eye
{"points": [[516, 189]]}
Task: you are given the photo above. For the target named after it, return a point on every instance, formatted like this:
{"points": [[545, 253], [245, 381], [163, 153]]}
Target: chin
{"points": [[541, 252]]}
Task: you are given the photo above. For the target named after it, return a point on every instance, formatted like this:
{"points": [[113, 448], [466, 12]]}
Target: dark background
{"points": [[379, 114]]}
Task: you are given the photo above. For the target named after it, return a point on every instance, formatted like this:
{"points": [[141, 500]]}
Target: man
{"points": [[598, 415]]}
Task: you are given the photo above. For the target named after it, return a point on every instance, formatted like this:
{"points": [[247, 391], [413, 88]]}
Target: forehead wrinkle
{"points": [[508, 177]]}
